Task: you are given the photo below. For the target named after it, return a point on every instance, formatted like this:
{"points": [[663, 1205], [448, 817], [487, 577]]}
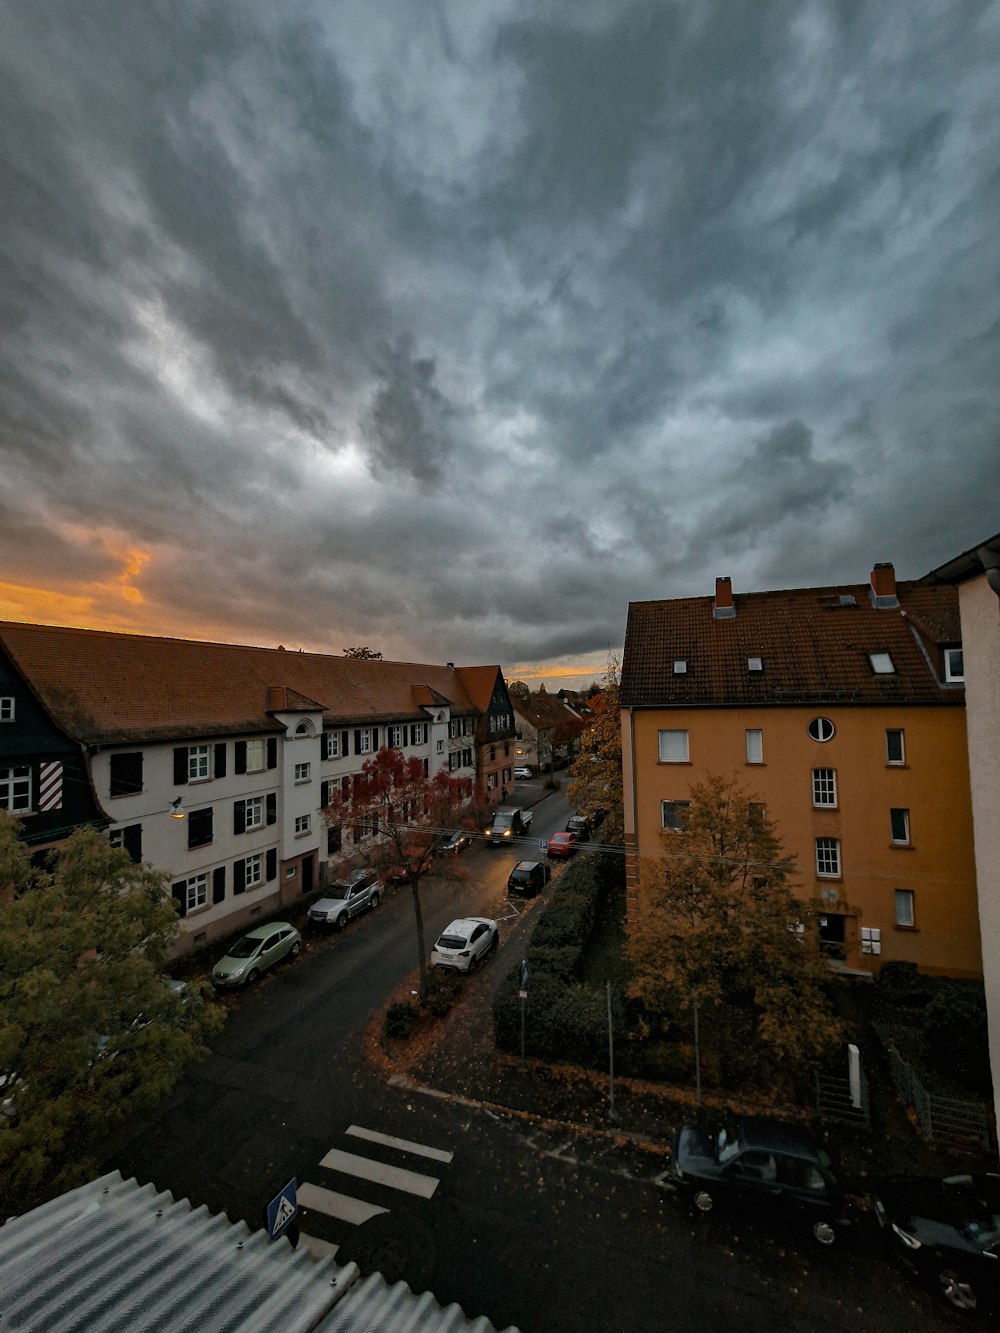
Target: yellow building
{"points": [[841, 710]]}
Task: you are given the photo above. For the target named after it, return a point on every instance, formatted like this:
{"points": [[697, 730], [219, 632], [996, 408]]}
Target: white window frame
{"points": [[871, 939], [6, 708], [364, 740], [828, 863], [332, 744], [253, 870], [818, 725], [440, 747], [199, 758], [303, 825], [303, 772], [955, 676], [895, 731], [755, 745], [196, 891], [909, 897], [824, 788], [253, 809], [418, 733], [674, 739], [256, 755], [394, 740], [895, 810], [673, 807], [15, 788]]}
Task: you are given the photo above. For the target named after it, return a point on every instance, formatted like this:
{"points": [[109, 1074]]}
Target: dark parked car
{"points": [[580, 825], [453, 844], [947, 1231], [772, 1168], [529, 877]]}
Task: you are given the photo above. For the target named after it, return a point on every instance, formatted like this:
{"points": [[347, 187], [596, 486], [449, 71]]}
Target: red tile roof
{"points": [[813, 643], [102, 687]]}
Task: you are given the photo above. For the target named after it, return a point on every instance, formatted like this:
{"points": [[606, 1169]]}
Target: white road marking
{"points": [[405, 1145], [319, 1249], [411, 1182], [341, 1206]]}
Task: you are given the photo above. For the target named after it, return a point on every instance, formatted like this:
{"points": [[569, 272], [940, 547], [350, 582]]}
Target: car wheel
{"points": [[296, 949], [824, 1233], [252, 976], [374, 900], [473, 964], [959, 1293], [703, 1201], [341, 921]]}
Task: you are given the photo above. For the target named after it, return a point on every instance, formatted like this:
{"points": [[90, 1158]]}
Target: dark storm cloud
{"points": [[454, 336]]}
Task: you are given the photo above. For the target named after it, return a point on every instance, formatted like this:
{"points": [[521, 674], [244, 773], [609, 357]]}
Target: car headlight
{"points": [[909, 1241], [238, 971]]}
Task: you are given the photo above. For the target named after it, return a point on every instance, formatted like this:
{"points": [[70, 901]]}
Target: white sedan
{"points": [[464, 943]]}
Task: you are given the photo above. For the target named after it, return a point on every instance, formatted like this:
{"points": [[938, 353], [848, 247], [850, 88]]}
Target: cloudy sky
{"points": [[451, 327]]}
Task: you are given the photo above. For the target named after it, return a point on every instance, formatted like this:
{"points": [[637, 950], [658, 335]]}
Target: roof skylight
{"points": [[882, 664]]}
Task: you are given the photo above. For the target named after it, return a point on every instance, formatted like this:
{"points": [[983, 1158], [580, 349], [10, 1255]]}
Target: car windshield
{"points": [[451, 942], [245, 948]]}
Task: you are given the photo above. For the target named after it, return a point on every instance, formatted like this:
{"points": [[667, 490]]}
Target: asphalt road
{"points": [[549, 1229]]}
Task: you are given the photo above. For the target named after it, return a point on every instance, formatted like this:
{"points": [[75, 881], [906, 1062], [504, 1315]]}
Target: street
{"points": [[547, 1227]]}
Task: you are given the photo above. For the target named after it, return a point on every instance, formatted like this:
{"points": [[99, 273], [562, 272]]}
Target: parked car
{"points": [[772, 1168], [562, 845], [580, 825], [453, 844], [258, 950], [417, 858], [529, 877], [523, 775], [946, 1230], [360, 890], [465, 943]]}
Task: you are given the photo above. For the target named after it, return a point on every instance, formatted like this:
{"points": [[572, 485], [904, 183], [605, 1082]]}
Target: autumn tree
{"points": [[595, 775], [720, 926], [517, 689], [404, 813], [91, 1031], [363, 654]]}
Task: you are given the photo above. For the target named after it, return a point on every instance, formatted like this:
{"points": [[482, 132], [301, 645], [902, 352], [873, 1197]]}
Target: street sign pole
{"points": [[523, 995]]}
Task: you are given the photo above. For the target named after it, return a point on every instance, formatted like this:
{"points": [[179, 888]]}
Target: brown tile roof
{"points": [[545, 710], [813, 647], [102, 687], [479, 682]]}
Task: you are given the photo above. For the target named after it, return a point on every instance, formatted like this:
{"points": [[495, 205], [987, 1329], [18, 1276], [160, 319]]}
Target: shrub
{"points": [[442, 991], [955, 1032], [399, 1020]]}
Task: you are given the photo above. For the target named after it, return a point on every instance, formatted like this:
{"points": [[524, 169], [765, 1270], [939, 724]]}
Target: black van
{"points": [[528, 877]]}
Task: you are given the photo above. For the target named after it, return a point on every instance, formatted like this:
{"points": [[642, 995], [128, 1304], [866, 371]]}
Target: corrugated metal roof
{"points": [[115, 1255]]}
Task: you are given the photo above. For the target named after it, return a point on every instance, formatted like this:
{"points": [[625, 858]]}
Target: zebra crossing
{"points": [[376, 1177]]}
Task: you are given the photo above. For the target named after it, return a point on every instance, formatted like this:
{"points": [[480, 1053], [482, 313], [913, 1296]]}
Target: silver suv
{"points": [[360, 890]]}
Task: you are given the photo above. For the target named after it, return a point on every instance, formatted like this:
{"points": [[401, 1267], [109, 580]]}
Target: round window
{"points": [[820, 728]]}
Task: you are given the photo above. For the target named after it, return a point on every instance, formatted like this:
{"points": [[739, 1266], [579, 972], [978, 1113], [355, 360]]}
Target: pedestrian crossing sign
{"points": [[282, 1211]]}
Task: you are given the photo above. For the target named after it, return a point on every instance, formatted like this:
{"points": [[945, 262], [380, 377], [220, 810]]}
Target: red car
{"points": [[562, 844]]}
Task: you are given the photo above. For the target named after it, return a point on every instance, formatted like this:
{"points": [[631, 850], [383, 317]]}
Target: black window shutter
{"points": [[239, 876], [180, 765], [180, 892], [357, 742], [220, 760], [132, 841], [345, 748], [272, 863], [218, 884], [239, 816], [240, 757], [272, 752], [272, 807], [324, 793]]}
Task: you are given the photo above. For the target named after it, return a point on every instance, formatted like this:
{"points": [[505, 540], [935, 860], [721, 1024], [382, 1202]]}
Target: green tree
{"points": [[595, 775], [405, 813], [91, 1032], [517, 689], [363, 654], [719, 925]]}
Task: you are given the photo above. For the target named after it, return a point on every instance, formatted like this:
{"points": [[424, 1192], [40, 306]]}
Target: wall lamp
{"points": [[177, 810]]}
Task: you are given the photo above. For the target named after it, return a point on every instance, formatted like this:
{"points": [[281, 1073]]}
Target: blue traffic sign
{"points": [[282, 1211]]}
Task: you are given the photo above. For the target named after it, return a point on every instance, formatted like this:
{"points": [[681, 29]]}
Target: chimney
{"points": [[883, 587], [724, 608]]}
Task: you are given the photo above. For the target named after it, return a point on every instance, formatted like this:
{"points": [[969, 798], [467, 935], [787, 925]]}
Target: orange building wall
{"points": [[933, 785]]}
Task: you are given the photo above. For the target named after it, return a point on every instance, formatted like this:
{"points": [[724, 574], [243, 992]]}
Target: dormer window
{"points": [[755, 664], [680, 667], [881, 664], [954, 666]]}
